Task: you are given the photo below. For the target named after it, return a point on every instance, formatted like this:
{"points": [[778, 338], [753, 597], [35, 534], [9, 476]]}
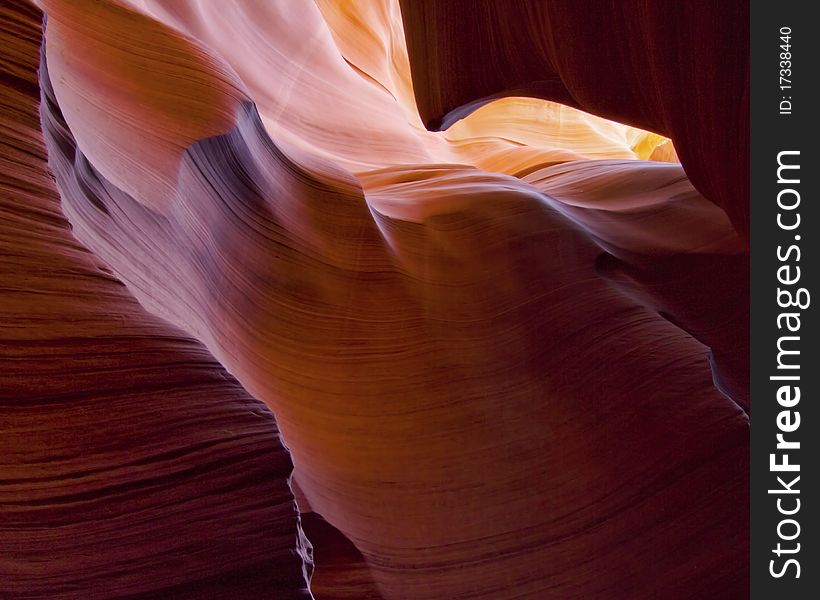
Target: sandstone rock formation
{"points": [[507, 358], [131, 464]]}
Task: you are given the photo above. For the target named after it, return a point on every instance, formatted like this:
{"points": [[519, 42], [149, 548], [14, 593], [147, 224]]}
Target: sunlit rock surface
{"points": [[677, 68], [508, 358]]}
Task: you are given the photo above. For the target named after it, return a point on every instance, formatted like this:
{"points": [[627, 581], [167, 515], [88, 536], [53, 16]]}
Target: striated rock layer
{"points": [[131, 464], [507, 359]]}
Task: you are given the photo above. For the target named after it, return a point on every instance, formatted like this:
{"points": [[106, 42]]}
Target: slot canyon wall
{"points": [[360, 284]]}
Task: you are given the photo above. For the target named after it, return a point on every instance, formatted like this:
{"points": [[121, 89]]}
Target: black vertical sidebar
{"points": [[785, 224]]}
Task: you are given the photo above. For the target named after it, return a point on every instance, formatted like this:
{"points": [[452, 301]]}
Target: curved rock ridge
{"points": [[312, 89], [639, 62], [412, 368], [135, 93], [131, 464], [507, 359]]}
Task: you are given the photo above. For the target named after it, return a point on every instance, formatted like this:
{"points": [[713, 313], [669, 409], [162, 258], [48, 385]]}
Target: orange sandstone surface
{"points": [[506, 359]]}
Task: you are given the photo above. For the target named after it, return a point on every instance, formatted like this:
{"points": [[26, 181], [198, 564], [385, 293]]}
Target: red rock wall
{"points": [[507, 359], [131, 464]]}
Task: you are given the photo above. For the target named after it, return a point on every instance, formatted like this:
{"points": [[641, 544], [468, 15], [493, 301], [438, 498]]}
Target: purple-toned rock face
{"points": [[508, 359]]}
